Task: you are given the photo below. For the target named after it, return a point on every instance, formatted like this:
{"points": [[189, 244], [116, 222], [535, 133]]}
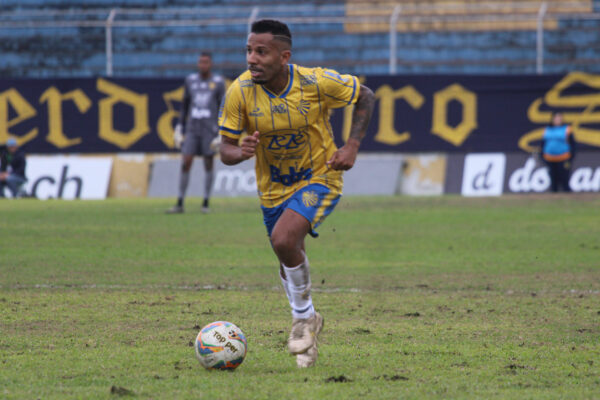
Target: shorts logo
{"points": [[310, 199], [291, 178], [256, 112], [304, 107], [278, 109]]}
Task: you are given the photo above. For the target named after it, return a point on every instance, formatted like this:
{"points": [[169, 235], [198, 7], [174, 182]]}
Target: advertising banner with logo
{"points": [[68, 178], [371, 175], [492, 174], [413, 113]]}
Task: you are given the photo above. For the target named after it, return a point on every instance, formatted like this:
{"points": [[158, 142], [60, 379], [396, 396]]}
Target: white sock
{"points": [[298, 279], [286, 287]]}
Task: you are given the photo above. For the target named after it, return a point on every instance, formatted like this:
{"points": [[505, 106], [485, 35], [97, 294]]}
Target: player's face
{"points": [[204, 64], [557, 120], [265, 57]]}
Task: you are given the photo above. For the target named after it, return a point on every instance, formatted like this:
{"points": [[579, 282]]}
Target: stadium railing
{"points": [[357, 37]]}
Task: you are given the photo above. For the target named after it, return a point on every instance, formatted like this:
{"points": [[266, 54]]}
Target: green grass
{"points": [[440, 297]]}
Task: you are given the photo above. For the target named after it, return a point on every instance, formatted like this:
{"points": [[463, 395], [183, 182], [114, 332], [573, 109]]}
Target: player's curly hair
{"points": [[278, 29]]}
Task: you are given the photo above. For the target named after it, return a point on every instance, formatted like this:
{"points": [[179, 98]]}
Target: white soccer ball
{"points": [[220, 345]]}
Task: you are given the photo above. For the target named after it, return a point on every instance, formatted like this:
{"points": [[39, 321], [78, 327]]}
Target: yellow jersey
{"points": [[296, 139]]}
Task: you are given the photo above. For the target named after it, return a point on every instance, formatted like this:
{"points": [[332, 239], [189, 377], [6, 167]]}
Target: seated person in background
{"points": [[12, 167]]}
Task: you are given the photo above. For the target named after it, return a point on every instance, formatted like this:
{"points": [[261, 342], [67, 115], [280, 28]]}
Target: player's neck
{"points": [[205, 76], [279, 83]]}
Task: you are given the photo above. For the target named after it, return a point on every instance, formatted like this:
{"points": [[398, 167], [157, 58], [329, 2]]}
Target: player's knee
{"points": [[282, 244], [186, 165]]}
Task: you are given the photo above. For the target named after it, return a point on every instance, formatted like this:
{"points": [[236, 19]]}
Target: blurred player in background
{"points": [[12, 168], [558, 151], [284, 108], [197, 127]]}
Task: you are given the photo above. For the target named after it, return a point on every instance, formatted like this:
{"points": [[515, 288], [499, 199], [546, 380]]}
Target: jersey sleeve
{"points": [[232, 112], [338, 90]]}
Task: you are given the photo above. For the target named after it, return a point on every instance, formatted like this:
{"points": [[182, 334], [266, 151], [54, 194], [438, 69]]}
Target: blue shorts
{"points": [[314, 202]]}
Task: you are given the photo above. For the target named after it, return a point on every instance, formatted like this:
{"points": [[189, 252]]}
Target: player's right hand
{"points": [[178, 136], [249, 144]]}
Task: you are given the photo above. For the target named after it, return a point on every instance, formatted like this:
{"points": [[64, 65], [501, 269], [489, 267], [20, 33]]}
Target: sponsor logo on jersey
{"points": [[292, 177], [306, 80], [304, 107], [286, 141], [310, 198], [279, 109], [256, 112]]}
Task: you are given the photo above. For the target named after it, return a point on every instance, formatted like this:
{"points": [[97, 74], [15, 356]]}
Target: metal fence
{"points": [[396, 19]]}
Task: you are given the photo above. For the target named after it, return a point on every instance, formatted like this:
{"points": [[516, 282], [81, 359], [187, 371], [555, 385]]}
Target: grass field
{"points": [[440, 297]]}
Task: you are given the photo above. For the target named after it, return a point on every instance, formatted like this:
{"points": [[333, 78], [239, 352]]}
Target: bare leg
{"points": [[288, 236], [208, 180], [184, 178]]}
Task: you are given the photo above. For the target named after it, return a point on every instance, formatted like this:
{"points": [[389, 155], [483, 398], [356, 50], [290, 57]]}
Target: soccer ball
{"points": [[220, 345]]}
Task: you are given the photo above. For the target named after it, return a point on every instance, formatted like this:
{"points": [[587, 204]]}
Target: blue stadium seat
{"points": [[36, 50]]}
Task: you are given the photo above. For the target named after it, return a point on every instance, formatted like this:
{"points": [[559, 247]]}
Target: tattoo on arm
{"points": [[363, 109]]}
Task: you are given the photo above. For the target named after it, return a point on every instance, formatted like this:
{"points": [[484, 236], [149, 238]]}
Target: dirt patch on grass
{"points": [[338, 379]]}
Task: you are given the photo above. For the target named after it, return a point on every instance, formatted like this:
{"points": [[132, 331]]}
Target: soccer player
{"points": [[197, 126], [284, 108]]}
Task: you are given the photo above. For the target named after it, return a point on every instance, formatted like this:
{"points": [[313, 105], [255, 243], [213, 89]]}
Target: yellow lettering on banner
{"points": [[54, 98], [554, 98], [386, 133], [118, 94], [165, 122], [468, 100], [24, 110]]}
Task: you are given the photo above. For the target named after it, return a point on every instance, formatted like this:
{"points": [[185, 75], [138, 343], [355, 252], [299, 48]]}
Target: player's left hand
{"points": [[343, 159]]}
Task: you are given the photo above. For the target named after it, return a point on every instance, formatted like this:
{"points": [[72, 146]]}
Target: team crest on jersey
{"points": [[306, 80], [304, 107], [310, 198], [246, 83], [278, 108], [256, 112], [212, 85]]}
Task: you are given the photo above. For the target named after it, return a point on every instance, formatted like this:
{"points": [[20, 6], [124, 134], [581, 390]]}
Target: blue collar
{"points": [[287, 89]]}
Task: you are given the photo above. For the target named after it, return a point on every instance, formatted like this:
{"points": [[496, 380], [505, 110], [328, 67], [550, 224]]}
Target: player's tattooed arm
{"points": [[234, 152], [344, 158], [363, 109]]}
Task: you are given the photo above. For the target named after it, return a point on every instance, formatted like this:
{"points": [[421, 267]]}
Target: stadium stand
{"points": [[41, 38]]}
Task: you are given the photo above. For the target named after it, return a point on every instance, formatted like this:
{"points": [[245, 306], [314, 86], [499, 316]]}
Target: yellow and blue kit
{"points": [[296, 139]]}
